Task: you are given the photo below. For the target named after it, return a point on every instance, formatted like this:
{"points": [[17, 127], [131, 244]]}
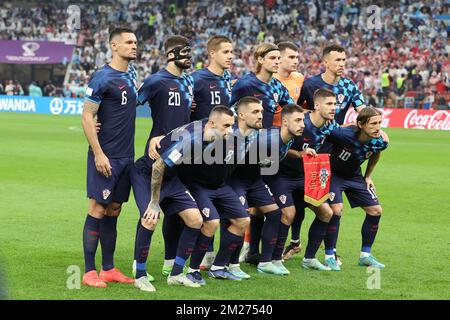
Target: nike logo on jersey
{"points": [[175, 88], [121, 87], [257, 95], [212, 86]]}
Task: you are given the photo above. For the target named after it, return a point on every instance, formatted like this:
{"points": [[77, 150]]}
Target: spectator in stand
{"points": [[49, 90], [9, 88], [18, 90], [34, 90]]}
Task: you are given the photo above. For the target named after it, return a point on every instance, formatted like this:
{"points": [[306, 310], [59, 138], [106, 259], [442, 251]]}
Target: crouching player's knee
{"points": [[374, 211]]}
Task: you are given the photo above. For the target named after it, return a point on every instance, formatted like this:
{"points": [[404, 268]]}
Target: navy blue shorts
{"points": [[355, 189], [221, 203], [252, 194], [174, 196], [287, 191], [116, 188]]}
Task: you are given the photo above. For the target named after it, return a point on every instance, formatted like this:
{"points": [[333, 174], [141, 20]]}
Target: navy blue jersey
{"points": [[210, 90], [170, 100], [347, 93], [258, 148], [116, 94], [271, 94], [349, 153], [313, 138]]}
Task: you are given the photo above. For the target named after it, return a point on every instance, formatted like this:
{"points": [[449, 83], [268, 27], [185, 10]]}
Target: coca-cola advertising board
{"points": [[409, 118]]}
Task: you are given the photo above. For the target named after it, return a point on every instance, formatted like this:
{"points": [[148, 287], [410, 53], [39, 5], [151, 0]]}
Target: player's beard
{"points": [[183, 65]]}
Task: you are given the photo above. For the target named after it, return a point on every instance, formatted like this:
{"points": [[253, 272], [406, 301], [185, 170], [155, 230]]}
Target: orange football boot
{"points": [[114, 275]]}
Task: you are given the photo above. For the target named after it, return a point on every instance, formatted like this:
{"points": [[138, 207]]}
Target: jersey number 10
{"points": [[344, 155]]}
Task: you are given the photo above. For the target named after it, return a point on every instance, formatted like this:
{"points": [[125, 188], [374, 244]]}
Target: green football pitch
{"points": [[43, 208]]}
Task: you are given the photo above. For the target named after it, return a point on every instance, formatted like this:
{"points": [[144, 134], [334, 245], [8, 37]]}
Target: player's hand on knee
{"points": [[152, 149], [370, 183], [102, 164], [151, 215]]}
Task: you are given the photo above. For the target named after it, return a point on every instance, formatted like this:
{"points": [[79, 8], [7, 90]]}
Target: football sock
{"points": [[200, 248], [211, 246], [369, 231], [186, 246], [171, 234], [269, 235], [141, 250], [297, 224], [331, 235], [228, 244], [108, 237], [283, 231], [235, 255], [316, 234], [91, 232], [256, 225]]}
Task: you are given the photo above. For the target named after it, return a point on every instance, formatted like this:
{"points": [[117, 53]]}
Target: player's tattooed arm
{"points": [[153, 209], [370, 167], [88, 122]]}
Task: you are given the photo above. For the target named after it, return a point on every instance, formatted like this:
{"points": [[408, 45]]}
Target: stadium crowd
{"points": [[406, 54]]}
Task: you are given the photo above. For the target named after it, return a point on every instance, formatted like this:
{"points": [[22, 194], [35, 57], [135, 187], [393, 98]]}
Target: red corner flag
{"points": [[317, 178]]}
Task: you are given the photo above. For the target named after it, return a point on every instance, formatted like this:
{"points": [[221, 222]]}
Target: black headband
{"points": [[262, 55]]}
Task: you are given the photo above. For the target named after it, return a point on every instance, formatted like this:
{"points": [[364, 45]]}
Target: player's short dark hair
{"points": [[323, 93], [245, 101], [332, 47], [287, 45], [220, 109], [215, 41], [366, 113], [118, 31], [290, 109], [174, 41]]}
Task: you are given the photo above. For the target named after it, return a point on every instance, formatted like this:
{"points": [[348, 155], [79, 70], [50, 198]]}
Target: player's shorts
{"points": [[287, 191], [116, 188], [221, 203], [252, 193], [174, 196], [355, 189]]}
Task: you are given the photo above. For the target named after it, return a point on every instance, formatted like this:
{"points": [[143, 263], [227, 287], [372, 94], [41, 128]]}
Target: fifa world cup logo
{"points": [[324, 175]]}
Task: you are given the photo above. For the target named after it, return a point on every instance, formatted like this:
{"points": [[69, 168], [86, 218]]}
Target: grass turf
{"points": [[43, 208]]}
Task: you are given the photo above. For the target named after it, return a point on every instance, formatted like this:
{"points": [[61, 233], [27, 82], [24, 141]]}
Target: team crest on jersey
{"points": [[205, 212], [369, 154], [106, 194], [332, 195], [283, 199], [242, 200], [324, 175], [275, 96], [341, 98]]}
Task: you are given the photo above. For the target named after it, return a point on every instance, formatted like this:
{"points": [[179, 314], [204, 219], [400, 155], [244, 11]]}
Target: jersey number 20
{"points": [[174, 98]]}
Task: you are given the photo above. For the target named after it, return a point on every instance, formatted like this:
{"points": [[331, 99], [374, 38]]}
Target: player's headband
{"points": [[180, 52], [264, 53]]}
